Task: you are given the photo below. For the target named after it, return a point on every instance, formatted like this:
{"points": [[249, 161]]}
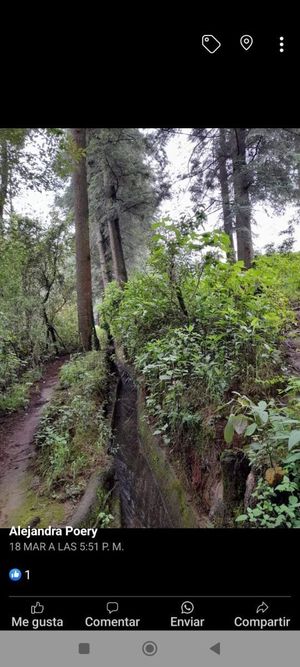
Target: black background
{"points": [[182, 564]]}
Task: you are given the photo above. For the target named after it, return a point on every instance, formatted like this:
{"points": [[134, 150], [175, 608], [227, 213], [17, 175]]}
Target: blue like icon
{"points": [[15, 574]]}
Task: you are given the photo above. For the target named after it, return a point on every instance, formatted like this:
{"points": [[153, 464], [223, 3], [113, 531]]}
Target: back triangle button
{"points": [[216, 648]]}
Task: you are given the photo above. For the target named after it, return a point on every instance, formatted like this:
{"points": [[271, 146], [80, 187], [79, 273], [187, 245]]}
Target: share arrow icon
{"points": [[216, 648]]}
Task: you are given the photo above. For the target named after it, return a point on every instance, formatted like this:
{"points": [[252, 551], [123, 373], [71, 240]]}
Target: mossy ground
{"points": [[74, 434], [33, 506]]}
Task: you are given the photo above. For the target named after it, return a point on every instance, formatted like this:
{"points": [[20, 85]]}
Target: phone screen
{"points": [[150, 376]]}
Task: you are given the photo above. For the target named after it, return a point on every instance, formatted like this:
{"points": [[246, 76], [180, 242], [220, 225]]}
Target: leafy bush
{"points": [[274, 453], [17, 393], [137, 312], [87, 372], [280, 272], [174, 367], [270, 511], [242, 312], [188, 323]]}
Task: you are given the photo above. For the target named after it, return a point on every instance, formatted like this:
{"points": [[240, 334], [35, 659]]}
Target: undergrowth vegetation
{"points": [[16, 393], [197, 329], [74, 432], [272, 434]]}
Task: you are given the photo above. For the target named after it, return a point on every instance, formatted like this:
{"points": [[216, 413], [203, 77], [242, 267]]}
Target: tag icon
{"points": [[246, 42], [210, 43]]}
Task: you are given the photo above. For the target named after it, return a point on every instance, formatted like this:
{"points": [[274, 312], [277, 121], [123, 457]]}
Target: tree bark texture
{"points": [[225, 194], [241, 184], [4, 179], [83, 259], [113, 224]]}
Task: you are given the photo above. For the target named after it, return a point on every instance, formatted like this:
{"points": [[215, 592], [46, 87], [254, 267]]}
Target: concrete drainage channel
{"points": [[141, 486], [151, 495]]}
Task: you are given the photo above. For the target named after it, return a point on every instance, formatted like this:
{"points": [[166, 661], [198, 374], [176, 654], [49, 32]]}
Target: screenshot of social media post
{"points": [[149, 390]]}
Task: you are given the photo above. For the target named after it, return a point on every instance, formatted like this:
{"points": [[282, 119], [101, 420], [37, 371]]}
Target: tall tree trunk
{"points": [[103, 267], [119, 268], [226, 206], [83, 259], [241, 184], [113, 225], [4, 179], [297, 150]]}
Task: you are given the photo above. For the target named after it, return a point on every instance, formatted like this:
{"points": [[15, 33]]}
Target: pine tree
{"points": [[124, 193], [83, 259], [228, 216], [242, 180], [260, 167]]}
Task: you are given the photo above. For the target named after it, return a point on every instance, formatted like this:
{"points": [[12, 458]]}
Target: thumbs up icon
{"points": [[37, 608]]}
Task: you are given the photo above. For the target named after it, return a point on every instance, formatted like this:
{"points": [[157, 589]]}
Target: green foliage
{"points": [[68, 155], [280, 273], [36, 287], [174, 367], [74, 433], [173, 244], [104, 519], [273, 431], [274, 448], [228, 336], [111, 303], [17, 394], [240, 315], [66, 325], [85, 372], [270, 510], [197, 329]]}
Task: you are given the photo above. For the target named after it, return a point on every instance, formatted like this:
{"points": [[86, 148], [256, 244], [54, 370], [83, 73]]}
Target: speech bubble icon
{"points": [[187, 607], [112, 607]]}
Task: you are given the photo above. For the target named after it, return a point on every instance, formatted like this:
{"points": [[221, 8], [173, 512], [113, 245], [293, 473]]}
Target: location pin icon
{"points": [[246, 42]]}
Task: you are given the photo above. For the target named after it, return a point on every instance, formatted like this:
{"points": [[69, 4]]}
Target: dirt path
{"points": [[16, 443]]}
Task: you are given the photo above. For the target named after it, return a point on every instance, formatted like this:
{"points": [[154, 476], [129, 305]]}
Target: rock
{"points": [[34, 522], [274, 475]]}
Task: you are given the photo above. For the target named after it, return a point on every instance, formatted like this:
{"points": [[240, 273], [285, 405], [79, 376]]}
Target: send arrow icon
{"points": [[216, 648]]}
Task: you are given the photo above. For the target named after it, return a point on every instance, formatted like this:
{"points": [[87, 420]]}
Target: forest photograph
{"points": [[150, 327]]}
